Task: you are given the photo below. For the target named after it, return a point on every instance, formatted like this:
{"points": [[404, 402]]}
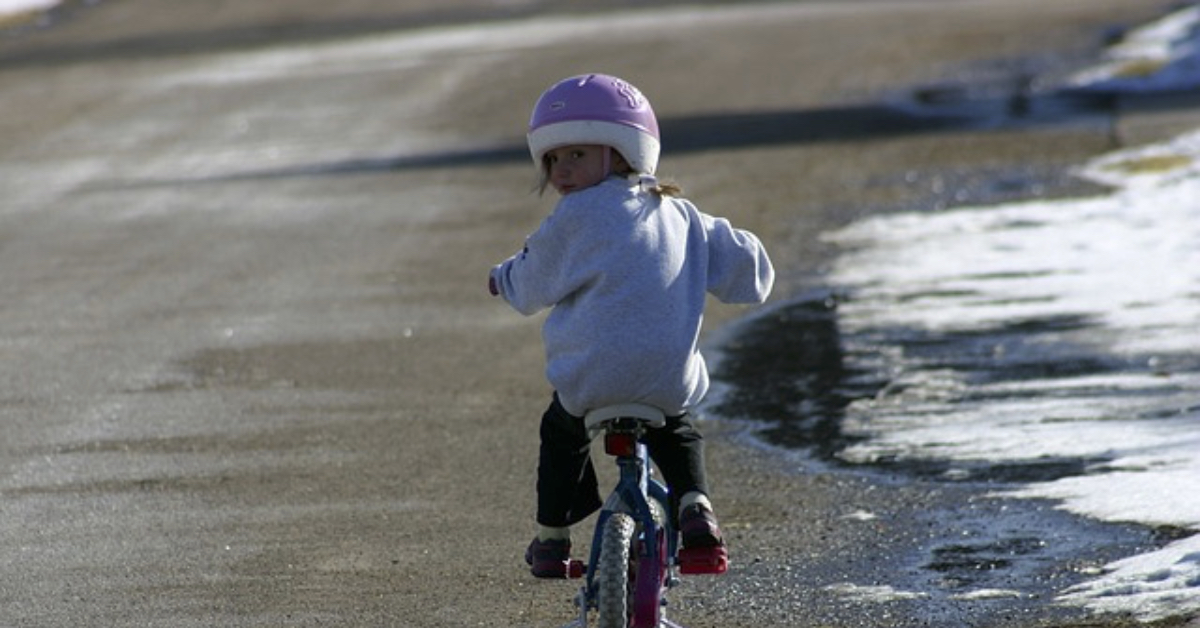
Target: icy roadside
{"points": [[1154, 474], [1103, 286], [1064, 332], [1163, 55]]}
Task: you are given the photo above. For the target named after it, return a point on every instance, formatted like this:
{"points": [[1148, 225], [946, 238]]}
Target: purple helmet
{"points": [[596, 109]]}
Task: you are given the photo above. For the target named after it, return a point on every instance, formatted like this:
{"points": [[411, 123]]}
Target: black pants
{"points": [[567, 490]]}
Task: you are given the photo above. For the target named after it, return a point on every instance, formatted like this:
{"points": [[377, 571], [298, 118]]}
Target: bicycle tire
{"points": [[612, 572], [650, 574]]}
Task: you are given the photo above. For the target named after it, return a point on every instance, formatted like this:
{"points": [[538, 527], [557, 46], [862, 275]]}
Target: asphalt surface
{"points": [[251, 375]]}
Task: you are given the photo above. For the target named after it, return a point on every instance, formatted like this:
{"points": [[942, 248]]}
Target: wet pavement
{"points": [[971, 556]]}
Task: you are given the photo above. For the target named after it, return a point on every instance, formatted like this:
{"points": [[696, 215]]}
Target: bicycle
{"points": [[634, 553]]}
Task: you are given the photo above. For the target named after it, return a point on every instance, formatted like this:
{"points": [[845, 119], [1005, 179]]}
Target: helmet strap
{"points": [[648, 182], [607, 161]]}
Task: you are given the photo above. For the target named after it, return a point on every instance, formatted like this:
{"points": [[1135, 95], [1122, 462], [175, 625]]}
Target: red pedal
{"points": [[703, 560], [576, 569]]}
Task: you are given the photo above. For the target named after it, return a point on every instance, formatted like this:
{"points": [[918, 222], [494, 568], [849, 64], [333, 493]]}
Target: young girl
{"points": [[625, 264]]}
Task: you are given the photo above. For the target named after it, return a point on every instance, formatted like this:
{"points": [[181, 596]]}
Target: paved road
{"points": [[250, 376]]}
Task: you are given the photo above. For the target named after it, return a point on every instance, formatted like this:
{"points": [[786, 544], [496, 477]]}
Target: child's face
{"points": [[577, 167]]}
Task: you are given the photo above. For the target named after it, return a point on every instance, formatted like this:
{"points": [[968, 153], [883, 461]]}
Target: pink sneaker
{"points": [[552, 559], [703, 549]]}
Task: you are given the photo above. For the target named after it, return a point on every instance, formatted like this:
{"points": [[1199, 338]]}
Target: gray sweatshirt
{"points": [[626, 272]]}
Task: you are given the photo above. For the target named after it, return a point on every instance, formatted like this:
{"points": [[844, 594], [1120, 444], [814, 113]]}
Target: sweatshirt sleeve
{"points": [[542, 274], [739, 270]]}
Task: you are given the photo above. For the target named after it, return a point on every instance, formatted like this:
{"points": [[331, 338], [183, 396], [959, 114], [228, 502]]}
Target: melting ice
{"points": [[1059, 334], [1064, 331]]}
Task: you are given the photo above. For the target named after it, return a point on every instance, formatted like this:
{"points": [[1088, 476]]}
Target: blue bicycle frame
{"points": [[657, 543], [631, 495]]}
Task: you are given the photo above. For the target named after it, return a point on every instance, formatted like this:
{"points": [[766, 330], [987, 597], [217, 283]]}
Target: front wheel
{"points": [[612, 572]]}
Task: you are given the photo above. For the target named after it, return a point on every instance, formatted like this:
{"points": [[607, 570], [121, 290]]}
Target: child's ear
{"points": [[619, 164]]}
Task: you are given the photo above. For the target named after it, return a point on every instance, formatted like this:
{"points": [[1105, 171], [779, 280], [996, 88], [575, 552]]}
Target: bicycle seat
{"points": [[652, 416]]}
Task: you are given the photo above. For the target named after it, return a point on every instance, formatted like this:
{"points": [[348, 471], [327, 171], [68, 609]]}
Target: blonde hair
{"points": [[667, 188]]}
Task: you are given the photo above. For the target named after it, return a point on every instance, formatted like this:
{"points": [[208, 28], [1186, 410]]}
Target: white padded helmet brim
{"points": [[638, 148]]}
